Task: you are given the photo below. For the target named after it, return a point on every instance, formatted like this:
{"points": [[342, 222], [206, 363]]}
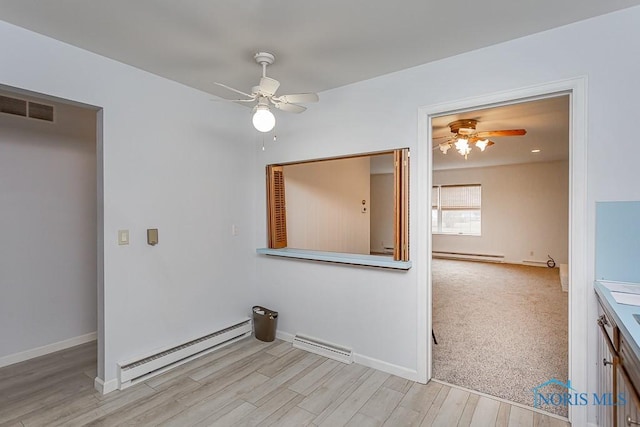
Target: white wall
{"points": [[525, 208], [382, 113], [170, 168], [48, 229], [324, 201], [382, 208], [171, 160]]}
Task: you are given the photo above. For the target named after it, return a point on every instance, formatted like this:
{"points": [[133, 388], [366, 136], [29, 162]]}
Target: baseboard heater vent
{"points": [[332, 351], [134, 371], [468, 256], [535, 262]]}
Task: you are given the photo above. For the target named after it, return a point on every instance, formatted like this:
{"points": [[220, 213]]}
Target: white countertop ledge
{"points": [[622, 313], [338, 257]]}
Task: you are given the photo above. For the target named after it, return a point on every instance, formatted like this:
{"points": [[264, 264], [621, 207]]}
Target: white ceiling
{"points": [[546, 122], [318, 45]]}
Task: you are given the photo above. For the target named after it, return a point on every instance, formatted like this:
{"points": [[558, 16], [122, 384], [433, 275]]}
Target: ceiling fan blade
{"points": [[236, 91], [289, 108], [509, 132], [299, 98], [268, 86], [244, 102]]}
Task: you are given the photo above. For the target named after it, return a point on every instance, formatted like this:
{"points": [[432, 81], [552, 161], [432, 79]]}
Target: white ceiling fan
{"points": [[264, 95]]}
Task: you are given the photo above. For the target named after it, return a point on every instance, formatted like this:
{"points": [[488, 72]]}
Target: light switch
{"points": [[234, 230], [123, 237], [152, 236]]}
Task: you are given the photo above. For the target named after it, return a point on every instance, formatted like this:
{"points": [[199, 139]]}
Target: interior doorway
{"points": [[578, 222], [499, 215], [49, 173]]}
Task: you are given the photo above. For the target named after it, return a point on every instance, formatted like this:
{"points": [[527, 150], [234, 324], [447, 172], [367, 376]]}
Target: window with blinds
{"points": [[456, 209]]}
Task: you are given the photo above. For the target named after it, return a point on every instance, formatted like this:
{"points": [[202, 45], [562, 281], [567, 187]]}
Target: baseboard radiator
{"points": [[332, 351], [134, 371], [535, 262], [468, 256]]}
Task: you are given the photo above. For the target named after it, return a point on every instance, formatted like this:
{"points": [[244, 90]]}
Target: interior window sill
{"points": [[338, 257]]}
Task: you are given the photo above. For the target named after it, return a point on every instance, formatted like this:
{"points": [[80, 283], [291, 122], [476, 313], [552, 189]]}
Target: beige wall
{"points": [[382, 203], [525, 209], [324, 201]]}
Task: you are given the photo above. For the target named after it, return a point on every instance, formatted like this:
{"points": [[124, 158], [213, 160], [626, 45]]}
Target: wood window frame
{"points": [[276, 205], [401, 204]]}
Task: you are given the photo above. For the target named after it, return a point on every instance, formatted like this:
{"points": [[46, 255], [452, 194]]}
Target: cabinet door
{"points": [[607, 366], [629, 412]]}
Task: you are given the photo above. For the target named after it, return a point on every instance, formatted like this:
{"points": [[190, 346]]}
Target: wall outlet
{"points": [[234, 230], [531, 253]]}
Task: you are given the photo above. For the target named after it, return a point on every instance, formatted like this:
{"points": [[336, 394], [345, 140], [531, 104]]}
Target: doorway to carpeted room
{"points": [[499, 210], [501, 328]]}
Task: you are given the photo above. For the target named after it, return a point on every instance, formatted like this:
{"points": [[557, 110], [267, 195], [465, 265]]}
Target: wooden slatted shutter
{"points": [[277, 212], [401, 207]]}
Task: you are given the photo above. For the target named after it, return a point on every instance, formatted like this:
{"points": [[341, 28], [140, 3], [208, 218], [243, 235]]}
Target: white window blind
{"points": [[460, 197], [456, 209]]}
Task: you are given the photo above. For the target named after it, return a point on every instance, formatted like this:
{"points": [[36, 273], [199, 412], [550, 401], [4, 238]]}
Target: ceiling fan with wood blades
{"points": [[465, 136], [263, 96]]}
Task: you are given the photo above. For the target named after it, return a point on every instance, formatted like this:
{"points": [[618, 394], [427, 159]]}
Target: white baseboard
{"points": [[369, 362], [105, 387], [387, 367], [46, 349], [284, 336]]}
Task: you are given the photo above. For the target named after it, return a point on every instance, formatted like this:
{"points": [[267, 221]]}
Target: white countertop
{"points": [[622, 313]]}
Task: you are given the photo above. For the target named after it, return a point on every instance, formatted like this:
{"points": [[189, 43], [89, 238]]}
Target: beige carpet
{"points": [[501, 328]]}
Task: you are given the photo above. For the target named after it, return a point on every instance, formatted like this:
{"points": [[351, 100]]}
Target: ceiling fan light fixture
{"points": [[462, 145], [263, 119], [465, 136], [265, 95], [482, 144]]}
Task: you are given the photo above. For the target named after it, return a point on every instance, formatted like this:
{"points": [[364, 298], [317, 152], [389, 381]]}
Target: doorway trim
{"points": [[578, 225]]}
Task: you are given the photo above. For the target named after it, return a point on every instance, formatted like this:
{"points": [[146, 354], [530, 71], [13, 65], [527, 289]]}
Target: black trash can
{"points": [[265, 322]]}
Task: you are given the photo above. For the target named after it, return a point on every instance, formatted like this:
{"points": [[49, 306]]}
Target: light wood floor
{"points": [[246, 384]]}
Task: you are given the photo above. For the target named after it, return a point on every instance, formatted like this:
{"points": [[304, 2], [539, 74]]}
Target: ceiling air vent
{"points": [[41, 111], [13, 106], [20, 107]]}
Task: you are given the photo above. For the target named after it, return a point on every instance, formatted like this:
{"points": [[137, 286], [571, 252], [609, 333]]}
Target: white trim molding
{"points": [[105, 387], [367, 361], [389, 368], [579, 263], [284, 336], [46, 349]]}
